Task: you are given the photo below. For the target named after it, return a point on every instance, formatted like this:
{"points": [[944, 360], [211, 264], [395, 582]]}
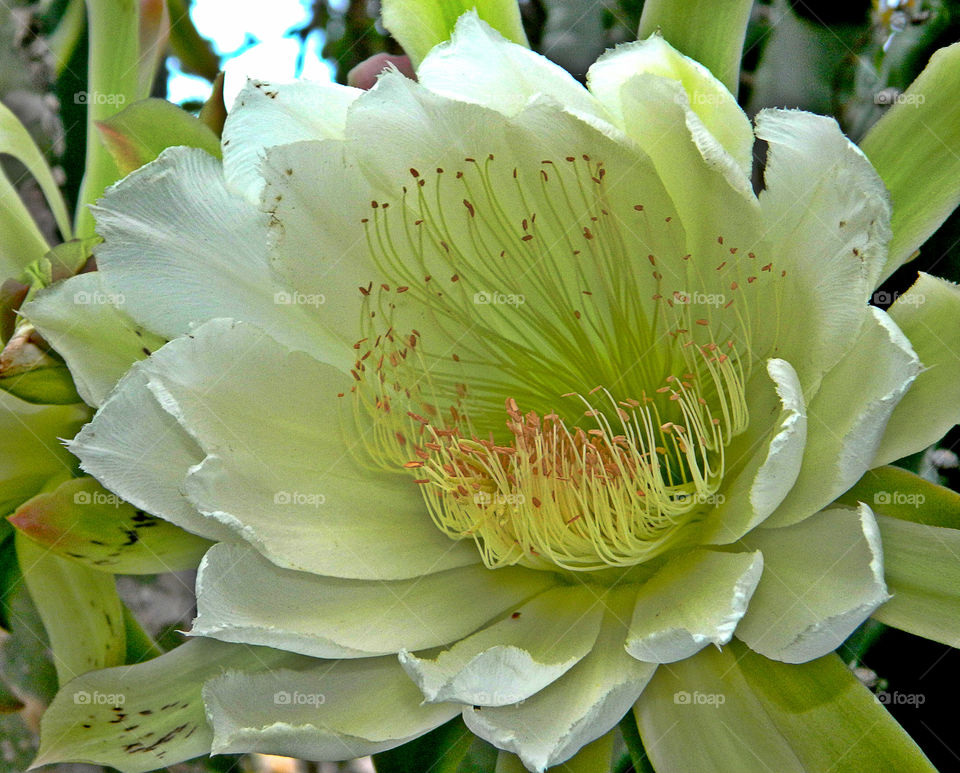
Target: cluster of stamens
{"points": [[584, 487]]}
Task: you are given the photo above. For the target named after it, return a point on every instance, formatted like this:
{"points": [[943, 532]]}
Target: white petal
{"points": [[586, 702], [929, 315], [821, 579], [770, 459], [138, 450], [828, 217], [845, 426], [479, 65], [181, 249], [516, 657], [695, 600], [267, 114], [715, 107], [286, 467], [319, 709], [242, 597]]}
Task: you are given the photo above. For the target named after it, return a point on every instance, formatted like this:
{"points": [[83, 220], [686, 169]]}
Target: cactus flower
{"points": [[510, 398]]}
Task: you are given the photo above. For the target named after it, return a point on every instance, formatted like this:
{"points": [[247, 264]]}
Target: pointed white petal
{"points": [[516, 657], [319, 709], [715, 107], [137, 450], [929, 314], [479, 65], [242, 597], [828, 216], [845, 426], [821, 579], [583, 704], [286, 467], [695, 600]]}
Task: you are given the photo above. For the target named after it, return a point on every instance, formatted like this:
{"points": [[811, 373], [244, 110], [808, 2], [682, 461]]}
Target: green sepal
{"points": [[634, 743], [140, 646], [86, 524], [711, 33], [139, 133], [34, 374], [914, 148], [419, 25], [80, 609], [16, 141], [214, 111], [732, 709], [113, 30]]}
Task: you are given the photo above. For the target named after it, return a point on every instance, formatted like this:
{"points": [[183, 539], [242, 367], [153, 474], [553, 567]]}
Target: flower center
{"points": [[532, 285], [615, 485]]}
